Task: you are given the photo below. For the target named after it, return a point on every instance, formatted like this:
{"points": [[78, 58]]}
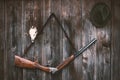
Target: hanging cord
{"points": [[41, 31], [73, 46]]}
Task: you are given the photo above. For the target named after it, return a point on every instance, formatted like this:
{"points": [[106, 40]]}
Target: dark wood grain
{"points": [[99, 62], [27, 23], [8, 40], [96, 64], [57, 37], [72, 21], [103, 49], [45, 38], [19, 24], [2, 38], [88, 32], [39, 20], [115, 56], [106, 45]]}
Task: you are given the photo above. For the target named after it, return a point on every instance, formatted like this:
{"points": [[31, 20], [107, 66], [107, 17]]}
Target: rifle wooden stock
{"points": [[24, 63], [66, 62]]}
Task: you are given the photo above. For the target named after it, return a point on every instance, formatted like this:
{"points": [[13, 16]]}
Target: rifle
{"points": [[72, 57], [25, 63]]}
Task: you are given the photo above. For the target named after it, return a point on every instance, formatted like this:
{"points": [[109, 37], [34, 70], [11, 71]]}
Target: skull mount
{"points": [[33, 32]]}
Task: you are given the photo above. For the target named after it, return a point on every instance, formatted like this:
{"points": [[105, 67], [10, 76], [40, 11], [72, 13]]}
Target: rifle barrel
{"points": [[85, 47]]}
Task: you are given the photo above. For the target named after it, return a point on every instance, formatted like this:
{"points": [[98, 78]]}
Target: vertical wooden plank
{"points": [[8, 41], [23, 38], [115, 61], [65, 14], [104, 49], [71, 14], [18, 75], [38, 22], [88, 33], [45, 53], [12, 36], [27, 23], [97, 65], [5, 53], [15, 28], [2, 37], [42, 52], [56, 40], [75, 27]]}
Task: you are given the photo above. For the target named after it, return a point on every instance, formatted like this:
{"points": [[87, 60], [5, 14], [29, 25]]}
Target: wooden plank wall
{"points": [[2, 44], [99, 62], [115, 60]]}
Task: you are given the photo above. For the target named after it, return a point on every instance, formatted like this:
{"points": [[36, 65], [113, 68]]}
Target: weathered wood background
{"points": [[100, 62]]}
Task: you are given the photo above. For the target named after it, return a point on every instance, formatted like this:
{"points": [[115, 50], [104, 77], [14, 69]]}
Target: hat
{"points": [[100, 14]]}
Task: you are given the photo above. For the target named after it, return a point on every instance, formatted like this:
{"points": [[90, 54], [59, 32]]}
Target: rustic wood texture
{"points": [[115, 47], [88, 32], [96, 62], [99, 62], [2, 38]]}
